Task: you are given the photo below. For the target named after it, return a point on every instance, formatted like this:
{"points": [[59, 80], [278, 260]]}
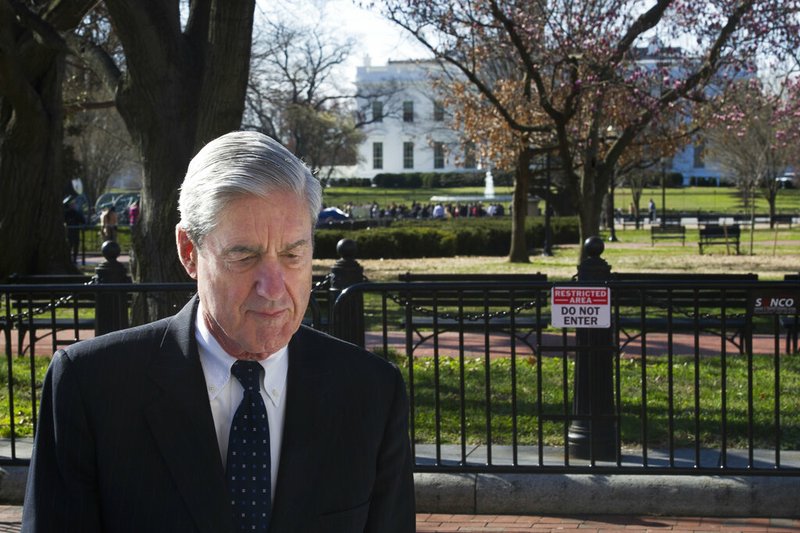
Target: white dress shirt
{"points": [[225, 393]]}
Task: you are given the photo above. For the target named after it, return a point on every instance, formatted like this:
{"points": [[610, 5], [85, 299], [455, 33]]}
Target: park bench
{"points": [[508, 303], [682, 302], [667, 232], [778, 220], [724, 235], [43, 314], [630, 220]]}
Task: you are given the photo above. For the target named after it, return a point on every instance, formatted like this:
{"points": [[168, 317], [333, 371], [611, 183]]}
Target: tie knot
{"points": [[248, 373]]}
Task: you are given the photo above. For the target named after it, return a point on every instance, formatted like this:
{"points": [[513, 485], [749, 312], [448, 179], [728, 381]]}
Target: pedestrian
{"points": [[141, 430], [651, 206], [133, 213], [108, 224], [74, 221]]}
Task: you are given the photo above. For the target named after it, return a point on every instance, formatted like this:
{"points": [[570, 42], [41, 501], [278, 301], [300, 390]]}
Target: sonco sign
{"points": [[774, 302]]}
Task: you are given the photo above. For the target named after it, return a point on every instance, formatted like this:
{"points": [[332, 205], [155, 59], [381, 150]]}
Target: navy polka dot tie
{"points": [[248, 467]]}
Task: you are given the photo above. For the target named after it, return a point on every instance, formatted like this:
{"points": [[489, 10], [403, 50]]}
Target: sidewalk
{"points": [[11, 517], [429, 523]]}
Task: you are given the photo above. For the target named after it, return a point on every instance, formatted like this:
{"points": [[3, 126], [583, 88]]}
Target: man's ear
{"points": [[187, 251]]}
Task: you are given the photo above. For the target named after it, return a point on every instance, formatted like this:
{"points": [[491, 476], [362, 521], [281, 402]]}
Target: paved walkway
{"points": [[429, 523], [11, 517]]}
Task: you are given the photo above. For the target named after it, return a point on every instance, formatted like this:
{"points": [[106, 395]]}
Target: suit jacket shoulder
{"points": [[346, 459]]}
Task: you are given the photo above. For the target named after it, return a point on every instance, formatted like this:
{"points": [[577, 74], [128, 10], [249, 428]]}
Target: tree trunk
{"points": [[593, 187], [519, 248], [180, 90], [31, 135]]}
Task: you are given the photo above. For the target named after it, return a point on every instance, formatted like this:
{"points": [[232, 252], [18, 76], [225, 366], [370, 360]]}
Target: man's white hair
{"points": [[241, 163]]}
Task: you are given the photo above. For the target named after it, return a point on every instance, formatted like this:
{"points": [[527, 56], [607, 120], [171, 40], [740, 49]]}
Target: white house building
{"points": [[409, 129]]}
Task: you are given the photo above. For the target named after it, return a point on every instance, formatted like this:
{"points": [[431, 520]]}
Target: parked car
{"points": [[787, 181], [331, 214], [121, 202]]}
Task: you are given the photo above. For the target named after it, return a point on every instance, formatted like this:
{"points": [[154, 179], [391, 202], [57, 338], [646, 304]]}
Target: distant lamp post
{"points": [[663, 192], [611, 135], [547, 249]]}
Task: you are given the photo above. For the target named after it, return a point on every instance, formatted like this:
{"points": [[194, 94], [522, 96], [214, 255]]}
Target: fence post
{"points": [[111, 308], [594, 434], [348, 320]]}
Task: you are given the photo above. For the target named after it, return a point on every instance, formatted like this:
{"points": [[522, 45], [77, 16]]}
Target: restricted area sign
{"points": [[581, 307]]}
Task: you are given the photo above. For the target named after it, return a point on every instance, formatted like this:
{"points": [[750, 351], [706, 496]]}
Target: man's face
{"points": [[253, 273]]}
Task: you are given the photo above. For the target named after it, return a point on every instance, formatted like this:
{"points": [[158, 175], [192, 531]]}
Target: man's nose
{"points": [[269, 282]]}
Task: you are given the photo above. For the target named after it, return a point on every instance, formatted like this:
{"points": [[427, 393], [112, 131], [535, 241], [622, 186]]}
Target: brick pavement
{"points": [[11, 516], [431, 523]]}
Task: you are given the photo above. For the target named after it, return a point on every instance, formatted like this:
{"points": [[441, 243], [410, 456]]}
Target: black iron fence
{"points": [[602, 373]]}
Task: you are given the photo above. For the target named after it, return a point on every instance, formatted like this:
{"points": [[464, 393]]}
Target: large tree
{"points": [[32, 182], [179, 82], [754, 136], [579, 64], [294, 93]]}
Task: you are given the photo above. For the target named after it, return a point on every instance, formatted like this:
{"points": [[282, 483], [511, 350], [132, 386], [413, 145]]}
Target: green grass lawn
{"points": [[23, 399], [657, 411], [687, 199], [553, 369], [706, 199]]}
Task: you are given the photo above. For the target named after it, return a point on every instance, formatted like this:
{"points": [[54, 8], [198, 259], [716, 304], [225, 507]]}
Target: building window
{"points": [[438, 155], [408, 111], [377, 155], [470, 161], [438, 111], [408, 155], [377, 111]]}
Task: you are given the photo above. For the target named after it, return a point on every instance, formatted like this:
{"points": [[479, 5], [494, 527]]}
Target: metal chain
{"points": [[664, 304], [21, 318], [323, 283]]}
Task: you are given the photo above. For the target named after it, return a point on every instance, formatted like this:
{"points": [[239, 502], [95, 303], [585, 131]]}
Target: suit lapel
{"points": [[308, 387], [183, 427]]}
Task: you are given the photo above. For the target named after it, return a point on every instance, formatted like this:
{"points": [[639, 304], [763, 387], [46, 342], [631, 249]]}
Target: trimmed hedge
{"points": [[442, 238], [350, 182], [438, 180]]}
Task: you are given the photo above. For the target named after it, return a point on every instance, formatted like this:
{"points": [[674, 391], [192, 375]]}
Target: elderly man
{"points": [[229, 416]]}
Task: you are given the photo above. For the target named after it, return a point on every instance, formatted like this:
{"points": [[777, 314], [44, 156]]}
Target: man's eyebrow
{"points": [[240, 248], [296, 244]]}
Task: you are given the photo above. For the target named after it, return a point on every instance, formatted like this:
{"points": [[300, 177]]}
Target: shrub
{"points": [[350, 182], [437, 238], [439, 180]]}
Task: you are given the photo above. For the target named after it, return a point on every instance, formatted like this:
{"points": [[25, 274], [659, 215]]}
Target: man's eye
{"points": [[242, 260]]}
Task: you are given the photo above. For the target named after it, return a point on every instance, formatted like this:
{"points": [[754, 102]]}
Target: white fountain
{"points": [[488, 188], [488, 193]]}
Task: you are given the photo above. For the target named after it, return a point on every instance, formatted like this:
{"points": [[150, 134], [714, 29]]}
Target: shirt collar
{"points": [[217, 364]]}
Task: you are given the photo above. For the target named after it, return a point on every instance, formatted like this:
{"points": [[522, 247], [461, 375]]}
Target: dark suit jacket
{"points": [[126, 440]]}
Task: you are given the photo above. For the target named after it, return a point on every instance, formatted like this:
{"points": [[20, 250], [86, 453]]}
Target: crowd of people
{"points": [[428, 210]]}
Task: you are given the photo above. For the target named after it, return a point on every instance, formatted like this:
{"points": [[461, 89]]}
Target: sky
{"points": [[380, 39]]}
